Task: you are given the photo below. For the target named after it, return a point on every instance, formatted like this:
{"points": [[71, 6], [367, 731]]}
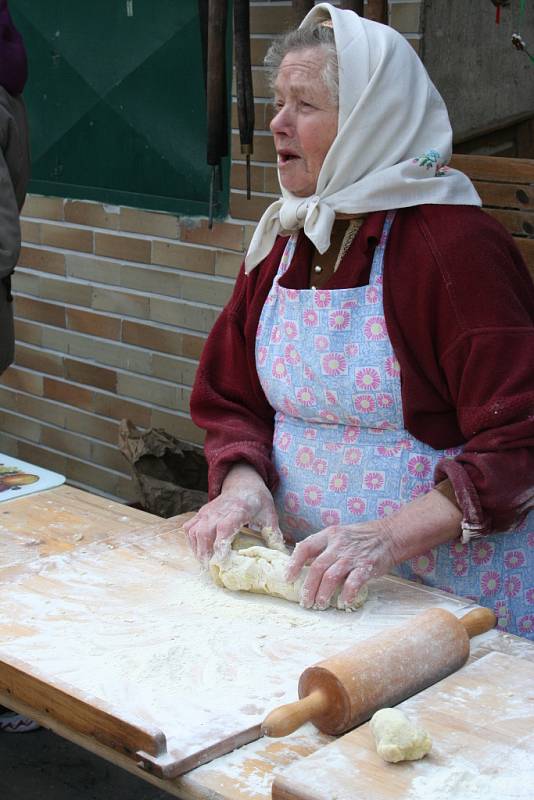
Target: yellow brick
{"points": [[64, 291], [26, 282], [185, 315], [109, 457], [193, 345], [8, 399], [196, 259], [23, 380], [263, 148], [150, 280], [178, 425], [43, 410], [228, 264], [36, 205], [227, 235], [148, 222], [36, 454], [41, 259], [215, 293], [238, 178], [38, 311], [150, 391], [30, 231], [84, 212], [258, 49], [93, 324], [131, 305], [67, 238], [66, 442], [262, 115], [126, 490], [91, 476], [91, 425], [406, 17], [270, 18], [90, 268], [19, 426], [176, 370], [128, 248], [39, 360], [152, 336], [241, 208]]}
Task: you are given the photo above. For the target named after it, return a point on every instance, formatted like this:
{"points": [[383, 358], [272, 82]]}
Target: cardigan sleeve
{"points": [[227, 399], [465, 333]]}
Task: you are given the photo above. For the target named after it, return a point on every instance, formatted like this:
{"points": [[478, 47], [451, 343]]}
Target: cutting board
{"points": [[19, 478], [481, 721], [126, 640]]}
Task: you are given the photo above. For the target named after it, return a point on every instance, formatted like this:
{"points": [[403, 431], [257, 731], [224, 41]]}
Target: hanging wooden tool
{"points": [[245, 93], [377, 10], [354, 5], [216, 84], [203, 9], [300, 9]]}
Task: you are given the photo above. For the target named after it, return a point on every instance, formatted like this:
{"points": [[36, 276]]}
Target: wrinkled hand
{"points": [[342, 554], [244, 500]]}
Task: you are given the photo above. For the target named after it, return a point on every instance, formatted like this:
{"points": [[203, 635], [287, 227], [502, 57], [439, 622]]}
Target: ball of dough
{"points": [[262, 571], [396, 738]]}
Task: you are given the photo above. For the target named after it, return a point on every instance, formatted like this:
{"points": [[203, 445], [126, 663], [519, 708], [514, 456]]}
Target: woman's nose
{"points": [[281, 122]]}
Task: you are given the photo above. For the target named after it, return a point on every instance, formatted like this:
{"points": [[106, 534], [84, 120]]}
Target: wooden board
{"points": [[129, 626], [481, 721], [58, 521]]}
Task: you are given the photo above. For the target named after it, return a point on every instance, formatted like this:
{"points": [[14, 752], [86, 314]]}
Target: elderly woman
{"points": [[368, 389]]}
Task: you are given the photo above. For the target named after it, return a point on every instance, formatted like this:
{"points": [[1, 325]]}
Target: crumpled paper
{"points": [[171, 476]]}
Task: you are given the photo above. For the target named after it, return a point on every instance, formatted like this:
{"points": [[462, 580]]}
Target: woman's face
{"points": [[305, 121]]}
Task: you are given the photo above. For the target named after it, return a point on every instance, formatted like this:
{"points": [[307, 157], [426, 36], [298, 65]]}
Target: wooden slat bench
{"points": [[506, 186]]}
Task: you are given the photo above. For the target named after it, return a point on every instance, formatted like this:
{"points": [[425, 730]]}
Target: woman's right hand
{"points": [[244, 500]]}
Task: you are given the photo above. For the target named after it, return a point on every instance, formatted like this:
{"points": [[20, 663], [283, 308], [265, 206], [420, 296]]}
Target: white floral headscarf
{"points": [[393, 144]]}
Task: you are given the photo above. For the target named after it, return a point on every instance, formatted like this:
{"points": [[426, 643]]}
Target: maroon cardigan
{"points": [[459, 308]]}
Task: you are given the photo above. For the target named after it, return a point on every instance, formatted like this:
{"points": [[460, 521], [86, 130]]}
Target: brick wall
{"points": [[113, 306]]}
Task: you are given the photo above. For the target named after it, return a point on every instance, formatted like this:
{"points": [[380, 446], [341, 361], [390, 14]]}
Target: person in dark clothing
{"points": [[14, 169], [14, 175]]}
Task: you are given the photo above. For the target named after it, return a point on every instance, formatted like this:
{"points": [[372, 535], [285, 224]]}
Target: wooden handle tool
{"points": [[343, 691]]}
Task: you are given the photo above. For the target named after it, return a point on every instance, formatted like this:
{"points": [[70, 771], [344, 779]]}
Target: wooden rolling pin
{"points": [[345, 690]]}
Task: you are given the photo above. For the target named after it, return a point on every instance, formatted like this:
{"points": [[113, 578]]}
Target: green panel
{"points": [[116, 102]]}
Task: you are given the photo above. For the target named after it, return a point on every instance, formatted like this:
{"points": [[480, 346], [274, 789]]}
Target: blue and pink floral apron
{"points": [[327, 367]]}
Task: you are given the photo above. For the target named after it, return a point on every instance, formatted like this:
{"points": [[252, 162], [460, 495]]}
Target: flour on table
{"points": [[396, 738], [262, 571]]}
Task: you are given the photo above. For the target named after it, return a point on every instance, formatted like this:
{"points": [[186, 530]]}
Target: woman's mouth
{"points": [[285, 156]]}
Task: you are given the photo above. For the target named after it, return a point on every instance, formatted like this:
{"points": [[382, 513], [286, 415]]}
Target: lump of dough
{"points": [[262, 571], [396, 738]]}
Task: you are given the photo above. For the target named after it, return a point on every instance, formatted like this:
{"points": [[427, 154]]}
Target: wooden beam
{"points": [[377, 10], [300, 9], [354, 5]]}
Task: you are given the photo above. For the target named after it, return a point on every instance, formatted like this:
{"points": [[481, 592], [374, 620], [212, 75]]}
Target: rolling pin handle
{"points": [[289, 718], [479, 620]]}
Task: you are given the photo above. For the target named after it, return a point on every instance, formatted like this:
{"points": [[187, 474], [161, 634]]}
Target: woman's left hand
{"points": [[342, 554], [351, 554]]}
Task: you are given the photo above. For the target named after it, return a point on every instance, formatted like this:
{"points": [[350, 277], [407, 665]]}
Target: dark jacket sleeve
{"points": [[464, 333], [14, 174]]}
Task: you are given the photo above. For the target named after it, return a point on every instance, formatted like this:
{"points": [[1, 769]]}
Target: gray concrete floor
{"points": [[42, 766]]}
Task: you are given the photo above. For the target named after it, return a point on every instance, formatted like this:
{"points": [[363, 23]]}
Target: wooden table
{"points": [[66, 520]]}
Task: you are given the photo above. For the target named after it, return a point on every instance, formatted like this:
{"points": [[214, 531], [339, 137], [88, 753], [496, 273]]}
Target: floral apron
{"points": [[328, 369]]}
